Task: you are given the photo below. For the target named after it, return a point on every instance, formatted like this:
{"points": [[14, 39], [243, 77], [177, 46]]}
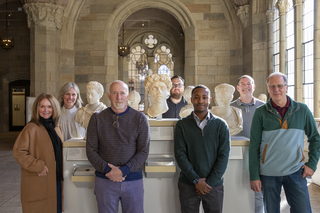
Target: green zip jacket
{"points": [[202, 153], [277, 145]]}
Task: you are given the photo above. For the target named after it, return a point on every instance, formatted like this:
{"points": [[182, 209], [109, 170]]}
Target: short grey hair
{"points": [[64, 89], [246, 76], [278, 74], [124, 84]]}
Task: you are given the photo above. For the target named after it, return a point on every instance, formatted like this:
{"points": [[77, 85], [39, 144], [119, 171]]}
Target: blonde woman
{"points": [[38, 150]]}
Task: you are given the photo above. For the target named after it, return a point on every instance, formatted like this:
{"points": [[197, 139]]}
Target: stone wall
{"points": [[15, 62]]}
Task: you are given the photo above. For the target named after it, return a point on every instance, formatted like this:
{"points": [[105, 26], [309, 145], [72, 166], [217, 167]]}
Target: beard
{"points": [[176, 96], [118, 105]]}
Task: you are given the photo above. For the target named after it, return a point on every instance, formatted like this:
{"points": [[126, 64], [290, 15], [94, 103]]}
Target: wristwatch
{"points": [[195, 181]]}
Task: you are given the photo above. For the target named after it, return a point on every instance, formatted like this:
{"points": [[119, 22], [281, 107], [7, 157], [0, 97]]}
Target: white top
{"points": [[70, 128]]}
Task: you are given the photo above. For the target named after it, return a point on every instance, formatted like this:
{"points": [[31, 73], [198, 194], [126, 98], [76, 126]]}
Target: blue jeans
{"points": [[295, 188], [258, 202]]}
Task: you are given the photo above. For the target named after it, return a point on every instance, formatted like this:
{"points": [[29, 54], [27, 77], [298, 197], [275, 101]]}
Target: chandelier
{"points": [[123, 49], [6, 41]]}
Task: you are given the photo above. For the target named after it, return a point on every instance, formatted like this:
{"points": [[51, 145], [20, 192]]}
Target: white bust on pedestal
{"points": [[158, 87], [94, 93], [186, 110], [134, 99], [232, 115]]}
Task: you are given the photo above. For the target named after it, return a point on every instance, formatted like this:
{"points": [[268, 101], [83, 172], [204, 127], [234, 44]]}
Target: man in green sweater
{"points": [[202, 148]]}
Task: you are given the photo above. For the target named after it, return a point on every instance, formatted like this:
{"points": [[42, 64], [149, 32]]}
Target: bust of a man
{"points": [[232, 115], [134, 99], [157, 86], [94, 93], [186, 110], [262, 97]]}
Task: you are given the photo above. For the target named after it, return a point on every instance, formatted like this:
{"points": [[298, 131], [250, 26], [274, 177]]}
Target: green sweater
{"points": [[202, 153], [277, 145]]}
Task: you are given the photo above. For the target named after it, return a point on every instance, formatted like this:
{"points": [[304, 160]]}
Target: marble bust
{"points": [[134, 99], [94, 93], [158, 87], [232, 115], [262, 97], [146, 98], [186, 110]]}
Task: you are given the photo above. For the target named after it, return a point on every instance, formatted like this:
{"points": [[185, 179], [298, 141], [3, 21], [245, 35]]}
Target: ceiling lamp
{"points": [[123, 49], [6, 41]]}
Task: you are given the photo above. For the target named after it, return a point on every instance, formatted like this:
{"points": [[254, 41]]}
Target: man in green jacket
{"points": [[276, 151], [202, 147]]}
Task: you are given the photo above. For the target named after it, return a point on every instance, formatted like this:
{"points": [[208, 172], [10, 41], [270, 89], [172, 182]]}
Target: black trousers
{"points": [[59, 197], [190, 199]]}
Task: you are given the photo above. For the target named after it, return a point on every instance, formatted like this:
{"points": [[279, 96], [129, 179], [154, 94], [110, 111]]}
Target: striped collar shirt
{"points": [[202, 124]]}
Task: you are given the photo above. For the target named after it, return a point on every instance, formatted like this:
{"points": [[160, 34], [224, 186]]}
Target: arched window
{"points": [[307, 49], [163, 69], [276, 42], [290, 51], [138, 67], [163, 61]]}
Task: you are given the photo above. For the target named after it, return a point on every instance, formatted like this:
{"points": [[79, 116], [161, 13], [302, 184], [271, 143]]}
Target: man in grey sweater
{"points": [[118, 141], [248, 105]]}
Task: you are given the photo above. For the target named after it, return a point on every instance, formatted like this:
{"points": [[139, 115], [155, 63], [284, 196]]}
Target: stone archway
{"points": [[177, 9]]}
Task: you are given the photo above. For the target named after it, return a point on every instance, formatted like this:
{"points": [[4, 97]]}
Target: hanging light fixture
{"points": [[123, 49], [6, 41]]}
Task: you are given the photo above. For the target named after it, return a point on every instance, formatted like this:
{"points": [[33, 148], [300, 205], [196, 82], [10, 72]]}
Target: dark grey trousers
{"points": [[190, 199]]}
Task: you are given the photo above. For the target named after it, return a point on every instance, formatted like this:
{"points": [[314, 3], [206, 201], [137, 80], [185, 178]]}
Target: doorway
{"points": [[18, 91]]}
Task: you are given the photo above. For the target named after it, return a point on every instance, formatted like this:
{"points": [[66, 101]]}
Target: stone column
{"points": [[298, 12], [316, 66], [282, 6], [44, 21], [270, 21]]}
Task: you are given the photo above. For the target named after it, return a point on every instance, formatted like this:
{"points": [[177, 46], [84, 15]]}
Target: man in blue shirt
{"points": [[248, 105]]}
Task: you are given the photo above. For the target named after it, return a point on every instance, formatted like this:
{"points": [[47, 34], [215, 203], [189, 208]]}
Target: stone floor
{"points": [[10, 181]]}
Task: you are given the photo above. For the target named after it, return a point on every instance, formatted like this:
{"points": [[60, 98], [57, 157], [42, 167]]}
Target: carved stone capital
{"points": [[270, 16], [44, 14], [297, 2], [243, 14], [282, 6]]}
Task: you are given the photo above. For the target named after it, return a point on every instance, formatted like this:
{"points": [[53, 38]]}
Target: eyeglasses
{"points": [[177, 85], [279, 86], [244, 84], [116, 122]]}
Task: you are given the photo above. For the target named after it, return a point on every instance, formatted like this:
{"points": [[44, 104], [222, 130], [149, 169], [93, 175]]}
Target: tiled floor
{"points": [[10, 181]]}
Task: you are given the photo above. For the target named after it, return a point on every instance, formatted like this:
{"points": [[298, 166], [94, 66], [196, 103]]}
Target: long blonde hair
{"points": [[35, 117]]}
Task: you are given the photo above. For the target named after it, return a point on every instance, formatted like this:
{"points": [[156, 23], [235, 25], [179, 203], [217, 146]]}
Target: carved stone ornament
{"points": [[297, 2], [270, 16], [151, 41], [243, 14], [282, 6], [44, 14]]}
